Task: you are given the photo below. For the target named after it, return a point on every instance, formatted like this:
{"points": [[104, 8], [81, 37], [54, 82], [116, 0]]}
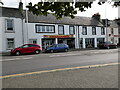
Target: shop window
{"points": [[45, 29], [71, 30], [102, 31], [118, 31], [10, 43], [84, 30], [93, 30], [9, 25], [60, 30]]}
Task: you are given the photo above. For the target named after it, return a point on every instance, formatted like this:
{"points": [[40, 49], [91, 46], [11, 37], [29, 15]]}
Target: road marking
{"points": [[15, 59], [54, 70], [64, 55]]}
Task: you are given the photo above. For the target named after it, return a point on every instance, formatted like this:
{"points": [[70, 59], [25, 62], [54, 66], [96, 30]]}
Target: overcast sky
{"points": [[105, 10]]}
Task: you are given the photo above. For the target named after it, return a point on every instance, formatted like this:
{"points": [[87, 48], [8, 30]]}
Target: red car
{"points": [[26, 48], [107, 45]]}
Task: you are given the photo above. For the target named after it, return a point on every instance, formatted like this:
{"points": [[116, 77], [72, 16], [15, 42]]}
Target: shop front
{"points": [[50, 40]]}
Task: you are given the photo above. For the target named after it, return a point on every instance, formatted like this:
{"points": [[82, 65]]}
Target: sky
{"points": [[106, 10]]}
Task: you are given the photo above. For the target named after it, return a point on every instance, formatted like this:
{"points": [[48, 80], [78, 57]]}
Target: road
{"points": [[32, 63]]}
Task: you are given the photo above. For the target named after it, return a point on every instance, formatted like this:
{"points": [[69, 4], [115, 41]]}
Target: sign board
{"points": [[58, 36]]}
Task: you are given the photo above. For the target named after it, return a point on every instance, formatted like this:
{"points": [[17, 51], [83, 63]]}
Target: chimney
{"points": [[21, 9], [20, 5], [96, 16]]}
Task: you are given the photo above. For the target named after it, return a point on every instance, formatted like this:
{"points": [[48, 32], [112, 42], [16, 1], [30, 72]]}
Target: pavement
{"points": [[94, 77], [86, 49]]}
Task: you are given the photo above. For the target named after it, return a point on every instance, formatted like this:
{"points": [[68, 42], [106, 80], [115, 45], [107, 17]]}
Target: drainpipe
{"points": [[106, 24], [21, 12]]}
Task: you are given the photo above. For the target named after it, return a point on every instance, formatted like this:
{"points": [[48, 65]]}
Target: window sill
{"points": [[9, 31]]}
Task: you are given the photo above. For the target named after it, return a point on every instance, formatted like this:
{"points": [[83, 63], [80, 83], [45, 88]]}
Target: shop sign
{"points": [[58, 36], [116, 35]]}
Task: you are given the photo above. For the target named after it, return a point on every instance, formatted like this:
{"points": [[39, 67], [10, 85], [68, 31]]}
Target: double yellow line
{"points": [[46, 71]]}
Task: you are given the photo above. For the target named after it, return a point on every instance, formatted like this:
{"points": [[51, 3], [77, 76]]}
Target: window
{"points": [[25, 46], [93, 30], [102, 31], [10, 43], [34, 41], [45, 29], [112, 31], [118, 31], [71, 30], [84, 30], [9, 24], [61, 30]]}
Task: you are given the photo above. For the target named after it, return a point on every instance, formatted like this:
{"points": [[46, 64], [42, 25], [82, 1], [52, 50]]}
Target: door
{"points": [[89, 42], [81, 43]]}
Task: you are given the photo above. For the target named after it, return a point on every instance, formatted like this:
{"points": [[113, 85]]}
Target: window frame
{"points": [[8, 42], [62, 31], [102, 31], [6, 25], [84, 28], [73, 30], [38, 27], [32, 40], [93, 32]]}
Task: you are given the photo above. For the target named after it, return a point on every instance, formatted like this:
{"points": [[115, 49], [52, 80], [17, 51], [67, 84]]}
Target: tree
{"points": [[61, 9], [2, 3]]}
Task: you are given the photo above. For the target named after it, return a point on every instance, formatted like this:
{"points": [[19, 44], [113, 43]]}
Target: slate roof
{"points": [[14, 12], [114, 24], [10, 12]]}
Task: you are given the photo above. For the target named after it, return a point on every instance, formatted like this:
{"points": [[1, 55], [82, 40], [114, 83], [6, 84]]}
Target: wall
{"points": [[33, 35], [17, 35], [89, 34]]}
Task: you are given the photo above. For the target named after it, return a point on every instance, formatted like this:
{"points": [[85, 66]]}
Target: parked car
{"points": [[26, 48], [57, 48], [107, 45]]}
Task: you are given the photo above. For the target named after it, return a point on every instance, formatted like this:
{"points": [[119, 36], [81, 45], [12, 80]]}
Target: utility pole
{"points": [[26, 14]]}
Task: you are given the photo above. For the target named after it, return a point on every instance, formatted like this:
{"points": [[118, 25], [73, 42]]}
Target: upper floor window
{"points": [[102, 31], [45, 29], [61, 30], [71, 30], [112, 31], [93, 30], [9, 24], [84, 30]]}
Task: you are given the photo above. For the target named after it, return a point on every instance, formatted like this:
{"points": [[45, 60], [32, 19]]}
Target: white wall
{"points": [[89, 34], [17, 35], [0, 34], [33, 35]]}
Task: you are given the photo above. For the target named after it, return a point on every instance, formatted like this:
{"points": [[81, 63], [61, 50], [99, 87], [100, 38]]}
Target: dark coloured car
{"points": [[57, 48], [26, 48], [107, 45]]}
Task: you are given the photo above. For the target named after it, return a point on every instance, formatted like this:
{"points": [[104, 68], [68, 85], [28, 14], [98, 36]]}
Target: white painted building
{"points": [[113, 32], [80, 32], [10, 29]]}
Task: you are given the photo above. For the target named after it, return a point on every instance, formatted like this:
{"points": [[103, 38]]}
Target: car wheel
{"points": [[51, 51], [17, 53], [37, 51], [66, 50]]}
